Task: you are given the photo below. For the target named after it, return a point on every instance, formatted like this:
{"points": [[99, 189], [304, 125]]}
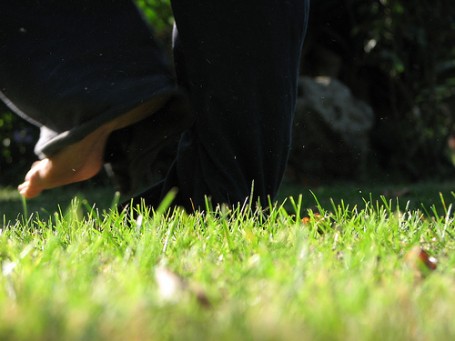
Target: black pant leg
{"points": [[241, 61], [70, 66]]}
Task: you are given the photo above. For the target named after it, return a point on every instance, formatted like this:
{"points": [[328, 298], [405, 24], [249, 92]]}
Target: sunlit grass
{"points": [[11, 206], [344, 272]]}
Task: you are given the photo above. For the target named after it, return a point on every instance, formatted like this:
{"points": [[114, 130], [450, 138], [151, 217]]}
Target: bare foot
{"points": [[78, 162], [83, 159]]}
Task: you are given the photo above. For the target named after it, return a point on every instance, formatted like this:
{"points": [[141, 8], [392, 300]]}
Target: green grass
{"points": [[11, 206], [345, 273]]}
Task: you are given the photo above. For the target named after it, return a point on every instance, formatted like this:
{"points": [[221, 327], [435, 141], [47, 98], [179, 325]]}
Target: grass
{"points": [[347, 271]]}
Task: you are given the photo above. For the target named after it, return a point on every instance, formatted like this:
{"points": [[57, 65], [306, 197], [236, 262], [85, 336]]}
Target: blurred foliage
{"points": [[158, 13], [414, 50], [399, 57], [17, 139], [396, 55]]}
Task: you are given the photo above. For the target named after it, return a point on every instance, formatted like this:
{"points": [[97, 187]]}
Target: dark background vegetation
{"points": [[398, 56]]}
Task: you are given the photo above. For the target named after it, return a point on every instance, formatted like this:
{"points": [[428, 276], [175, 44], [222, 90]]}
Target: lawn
{"points": [[338, 263]]}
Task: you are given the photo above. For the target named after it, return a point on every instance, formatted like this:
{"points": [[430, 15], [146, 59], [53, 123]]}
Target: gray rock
{"points": [[331, 129]]}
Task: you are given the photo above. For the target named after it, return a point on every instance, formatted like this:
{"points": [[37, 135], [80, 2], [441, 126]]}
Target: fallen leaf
{"points": [[305, 220], [316, 217], [421, 261], [172, 287], [429, 261], [8, 267]]}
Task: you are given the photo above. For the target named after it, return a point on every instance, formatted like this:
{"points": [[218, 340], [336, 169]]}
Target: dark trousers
{"points": [[237, 60]]}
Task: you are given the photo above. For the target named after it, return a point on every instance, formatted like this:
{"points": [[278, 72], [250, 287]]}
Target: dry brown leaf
{"points": [[421, 261]]}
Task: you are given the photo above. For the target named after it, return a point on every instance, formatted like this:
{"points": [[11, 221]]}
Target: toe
{"points": [[27, 191]]}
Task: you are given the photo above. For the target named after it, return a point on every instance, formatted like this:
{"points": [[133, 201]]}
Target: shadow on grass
{"points": [[422, 196], [427, 197], [49, 202]]}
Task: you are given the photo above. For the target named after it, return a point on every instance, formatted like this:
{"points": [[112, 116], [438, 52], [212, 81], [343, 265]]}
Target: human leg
{"points": [[79, 70], [240, 62], [83, 159]]}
